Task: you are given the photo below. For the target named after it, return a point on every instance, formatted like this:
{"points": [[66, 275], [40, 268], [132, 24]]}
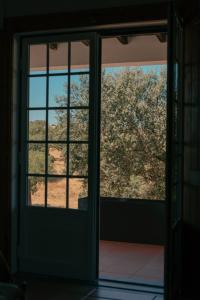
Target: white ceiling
{"points": [[141, 50]]}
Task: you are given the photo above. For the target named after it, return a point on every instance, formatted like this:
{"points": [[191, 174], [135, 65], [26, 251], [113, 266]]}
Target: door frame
{"points": [[13, 27], [175, 122], [101, 32]]}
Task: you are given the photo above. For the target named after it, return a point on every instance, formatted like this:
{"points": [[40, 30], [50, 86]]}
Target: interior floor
{"points": [[41, 288], [130, 262]]}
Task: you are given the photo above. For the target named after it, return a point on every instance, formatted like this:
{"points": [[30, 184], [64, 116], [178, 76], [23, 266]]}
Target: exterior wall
{"points": [[132, 220]]}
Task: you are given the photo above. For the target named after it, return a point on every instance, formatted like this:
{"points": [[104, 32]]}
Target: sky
{"points": [[145, 69], [57, 87]]}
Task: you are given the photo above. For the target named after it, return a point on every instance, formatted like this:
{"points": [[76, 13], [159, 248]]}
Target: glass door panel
{"points": [[58, 139]]}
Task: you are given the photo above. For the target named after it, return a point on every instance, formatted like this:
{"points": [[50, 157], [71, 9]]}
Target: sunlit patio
{"points": [[131, 262]]}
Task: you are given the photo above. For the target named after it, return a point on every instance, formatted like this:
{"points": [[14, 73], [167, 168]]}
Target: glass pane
{"points": [[78, 193], [57, 91], [36, 158], [37, 92], [37, 59], [78, 159], [79, 124], [80, 56], [57, 159], [79, 90], [58, 57], [56, 192], [37, 125], [36, 191], [57, 129]]}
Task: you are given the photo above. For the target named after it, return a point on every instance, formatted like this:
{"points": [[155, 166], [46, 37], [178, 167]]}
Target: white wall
{"points": [[28, 7]]}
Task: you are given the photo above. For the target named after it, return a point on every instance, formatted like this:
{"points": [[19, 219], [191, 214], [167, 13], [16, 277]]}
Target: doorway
{"points": [[59, 154], [133, 158]]}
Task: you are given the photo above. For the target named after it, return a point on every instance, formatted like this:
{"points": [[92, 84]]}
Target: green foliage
{"points": [[37, 130], [133, 133], [36, 154]]}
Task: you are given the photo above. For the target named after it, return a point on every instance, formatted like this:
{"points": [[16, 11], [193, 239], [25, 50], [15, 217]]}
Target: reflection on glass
{"points": [[37, 125], [58, 57], [36, 158], [57, 125], [36, 191], [80, 56], [79, 90], [37, 59], [57, 158], [56, 192], [37, 92], [78, 193], [79, 124], [78, 159], [57, 91]]}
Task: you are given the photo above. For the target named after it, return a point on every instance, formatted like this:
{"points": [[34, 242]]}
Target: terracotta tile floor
{"points": [[139, 263]]}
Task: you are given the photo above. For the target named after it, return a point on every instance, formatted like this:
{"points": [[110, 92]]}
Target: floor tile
{"points": [[54, 289], [121, 295], [132, 261]]}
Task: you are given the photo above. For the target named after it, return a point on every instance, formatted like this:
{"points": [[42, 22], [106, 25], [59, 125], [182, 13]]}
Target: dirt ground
{"points": [[57, 187]]}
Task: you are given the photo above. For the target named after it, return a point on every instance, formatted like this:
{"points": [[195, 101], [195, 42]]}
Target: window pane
{"points": [[79, 124], [36, 191], [36, 158], [37, 125], [80, 56], [57, 129], [79, 90], [37, 92], [78, 159], [78, 193], [57, 91], [37, 59], [58, 57], [57, 159], [56, 190]]}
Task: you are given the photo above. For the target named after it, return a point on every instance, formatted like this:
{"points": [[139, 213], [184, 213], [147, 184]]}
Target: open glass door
{"points": [[59, 156], [175, 156]]}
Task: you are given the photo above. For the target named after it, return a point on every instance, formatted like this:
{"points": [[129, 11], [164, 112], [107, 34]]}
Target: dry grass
{"points": [[57, 187]]}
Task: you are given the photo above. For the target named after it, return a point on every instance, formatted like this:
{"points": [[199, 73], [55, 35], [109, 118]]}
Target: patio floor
{"points": [[138, 263]]}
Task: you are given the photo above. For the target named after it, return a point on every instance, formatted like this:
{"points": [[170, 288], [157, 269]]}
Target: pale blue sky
{"points": [[57, 87]]}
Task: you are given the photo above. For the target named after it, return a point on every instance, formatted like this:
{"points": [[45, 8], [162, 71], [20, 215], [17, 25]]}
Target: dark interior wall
{"points": [[14, 8], [191, 201], [5, 137]]}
